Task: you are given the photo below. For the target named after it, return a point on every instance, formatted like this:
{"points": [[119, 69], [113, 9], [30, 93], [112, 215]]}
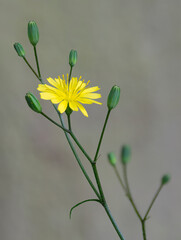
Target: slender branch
{"points": [[76, 156], [119, 177], [70, 74], [26, 61], [143, 229], [94, 167], [152, 202], [51, 120], [80, 146], [102, 133], [37, 63], [129, 195], [113, 222]]}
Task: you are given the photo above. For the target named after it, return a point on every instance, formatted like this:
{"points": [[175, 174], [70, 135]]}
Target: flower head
{"points": [[70, 94]]}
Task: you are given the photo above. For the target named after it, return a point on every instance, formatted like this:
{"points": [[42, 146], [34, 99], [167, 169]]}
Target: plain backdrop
{"points": [[132, 43]]}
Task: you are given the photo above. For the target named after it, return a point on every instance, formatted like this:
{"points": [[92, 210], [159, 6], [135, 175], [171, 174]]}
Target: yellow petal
{"points": [[88, 101], [73, 106], [63, 106], [82, 109], [47, 96], [53, 82], [91, 95], [73, 84], [92, 89]]}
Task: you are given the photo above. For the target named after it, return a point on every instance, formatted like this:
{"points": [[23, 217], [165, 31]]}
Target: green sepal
{"points": [[33, 33], [68, 111], [33, 102], [19, 49], [88, 200]]}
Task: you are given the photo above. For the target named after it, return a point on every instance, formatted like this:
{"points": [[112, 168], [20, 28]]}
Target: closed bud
{"points": [[33, 102], [165, 179], [112, 158], [33, 33], [72, 57], [113, 97], [125, 154], [19, 49]]}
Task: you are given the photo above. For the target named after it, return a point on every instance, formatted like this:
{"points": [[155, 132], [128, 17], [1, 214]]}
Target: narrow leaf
{"points": [[88, 200]]}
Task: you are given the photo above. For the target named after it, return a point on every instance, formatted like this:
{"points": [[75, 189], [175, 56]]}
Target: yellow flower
{"points": [[69, 94]]}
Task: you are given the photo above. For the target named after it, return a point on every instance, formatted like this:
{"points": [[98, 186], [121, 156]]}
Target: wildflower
{"points": [[69, 94]]}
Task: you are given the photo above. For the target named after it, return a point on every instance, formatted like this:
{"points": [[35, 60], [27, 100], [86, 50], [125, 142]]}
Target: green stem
{"points": [[26, 61], [113, 221], [143, 229], [129, 195], [119, 177], [70, 73], [81, 148], [94, 167], [69, 122], [102, 133], [37, 63], [51, 120], [77, 158], [153, 200]]}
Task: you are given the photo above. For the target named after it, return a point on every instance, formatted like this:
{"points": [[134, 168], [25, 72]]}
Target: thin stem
{"points": [[26, 61], [69, 122], [70, 73], [129, 192], [80, 146], [51, 120], [102, 133], [77, 158], [37, 63], [153, 200], [94, 167], [113, 221], [119, 177], [143, 229]]}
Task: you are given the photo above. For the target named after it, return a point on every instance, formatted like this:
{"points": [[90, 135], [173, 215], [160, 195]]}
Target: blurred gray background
{"points": [[132, 43]]}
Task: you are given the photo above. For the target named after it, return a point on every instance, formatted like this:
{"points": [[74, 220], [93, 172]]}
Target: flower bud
{"points": [[33, 102], [112, 158], [113, 97], [72, 57], [33, 33], [19, 49], [165, 179], [125, 154]]}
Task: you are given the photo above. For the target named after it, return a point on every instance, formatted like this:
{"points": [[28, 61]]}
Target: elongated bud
{"points": [[112, 158], [33, 33], [33, 102], [113, 97], [19, 49], [165, 179], [72, 57], [125, 154]]}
